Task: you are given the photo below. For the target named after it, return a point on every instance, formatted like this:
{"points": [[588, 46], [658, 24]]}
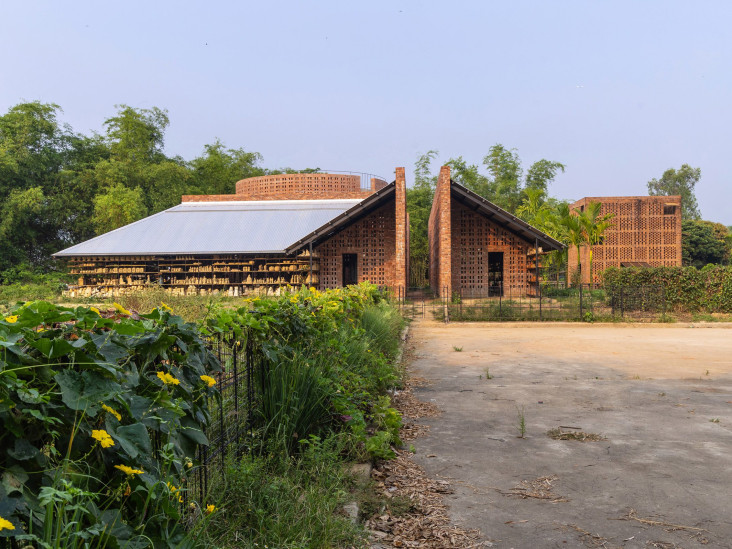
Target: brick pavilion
{"points": [[478, 249], [321, 230]]}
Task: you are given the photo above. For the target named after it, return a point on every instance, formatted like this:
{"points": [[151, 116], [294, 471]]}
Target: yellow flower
{"points": [[11, 319], [209, 380], [165, 307], [121, 309], [172, 488], [6, 525], [168, 379], [129, 471], [95, 310], [103, 437], [189, 463], [112, 411], [210, 508], [180, 498]]}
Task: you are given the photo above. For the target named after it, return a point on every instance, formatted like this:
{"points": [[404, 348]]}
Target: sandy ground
{"points": [[661, 395]]}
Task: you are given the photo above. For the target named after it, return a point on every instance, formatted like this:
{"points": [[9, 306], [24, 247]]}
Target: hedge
{"points": [[686, 289]]}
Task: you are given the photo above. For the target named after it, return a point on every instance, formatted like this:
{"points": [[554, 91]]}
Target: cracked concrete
{"points": [[654, 391]]}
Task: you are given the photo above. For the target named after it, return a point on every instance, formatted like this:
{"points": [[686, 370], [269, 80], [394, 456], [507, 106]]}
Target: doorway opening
{"points": [[350, 269], [495, 273]]}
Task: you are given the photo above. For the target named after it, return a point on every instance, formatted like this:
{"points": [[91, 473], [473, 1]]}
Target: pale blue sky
{"points": [[617, 91]]}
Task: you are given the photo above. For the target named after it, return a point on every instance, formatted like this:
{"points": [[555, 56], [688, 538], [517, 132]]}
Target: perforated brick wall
{"points": [[285, 186], [373, 239], [646, 229], [473, 238]]}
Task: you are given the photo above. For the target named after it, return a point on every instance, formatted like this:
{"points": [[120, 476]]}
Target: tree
{"points": [[219, 168], [117, 207], [419, 205], [700, 246], [594, 226], [681, 182]]}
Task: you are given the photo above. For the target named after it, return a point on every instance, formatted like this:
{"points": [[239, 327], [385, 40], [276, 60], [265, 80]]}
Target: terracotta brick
{"points": [[644, 230], [439, 236]]}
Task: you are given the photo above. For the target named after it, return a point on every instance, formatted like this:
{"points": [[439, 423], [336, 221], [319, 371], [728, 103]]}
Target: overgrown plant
{"points": [[101, 417]]}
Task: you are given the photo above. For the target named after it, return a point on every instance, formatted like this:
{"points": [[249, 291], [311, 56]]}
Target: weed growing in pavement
{"points": [[488, 373], [714, 420], [521, 421], [457, 349]]}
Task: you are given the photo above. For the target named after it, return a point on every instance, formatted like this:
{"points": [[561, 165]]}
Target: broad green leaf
{"points": [[23, 450], [134, 439], [84, 390]]}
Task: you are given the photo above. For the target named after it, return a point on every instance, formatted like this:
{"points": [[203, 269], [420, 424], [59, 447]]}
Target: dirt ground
{"points": [[660, 395]]}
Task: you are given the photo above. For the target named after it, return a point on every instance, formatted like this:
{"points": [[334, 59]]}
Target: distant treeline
{"points": [[59, 187]]}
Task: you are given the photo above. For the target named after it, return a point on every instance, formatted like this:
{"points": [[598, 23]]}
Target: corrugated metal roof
{"points": [[216, 228]]}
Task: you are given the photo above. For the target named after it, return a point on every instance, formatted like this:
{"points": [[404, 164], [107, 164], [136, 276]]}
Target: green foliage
{"points": [[294, 403], [685, 289], [276, 501], [117, 207], [681, 182], [704, 242], [101, 416]]}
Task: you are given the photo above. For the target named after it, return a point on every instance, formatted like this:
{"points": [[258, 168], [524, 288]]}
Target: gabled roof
{"points": [[198, 228], [340, 222], [502, 218]]}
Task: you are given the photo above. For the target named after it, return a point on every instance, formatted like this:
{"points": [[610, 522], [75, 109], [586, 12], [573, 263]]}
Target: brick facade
{"points": [[462, 238], [380, 242], [372, 239], [296, 185], [473, 238], [439, 236], [646, 230]]}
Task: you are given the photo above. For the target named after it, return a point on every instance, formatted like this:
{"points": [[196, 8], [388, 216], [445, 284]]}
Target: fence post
{"points": [[622, 312], [580, 302]]}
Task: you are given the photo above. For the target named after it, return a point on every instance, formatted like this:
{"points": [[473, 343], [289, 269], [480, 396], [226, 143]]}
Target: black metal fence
{"points": [[231, 430], [577, 303]]}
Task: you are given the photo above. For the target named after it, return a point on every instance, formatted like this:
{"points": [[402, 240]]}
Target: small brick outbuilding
{"points": [[478, 249]]}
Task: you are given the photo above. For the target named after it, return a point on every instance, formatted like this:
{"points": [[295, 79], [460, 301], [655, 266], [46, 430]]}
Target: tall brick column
{"points": [[402, 254], [445, 221], [439, 235]]}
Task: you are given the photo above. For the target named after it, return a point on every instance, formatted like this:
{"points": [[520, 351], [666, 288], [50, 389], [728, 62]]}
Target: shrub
{"points": [[101, 418]]}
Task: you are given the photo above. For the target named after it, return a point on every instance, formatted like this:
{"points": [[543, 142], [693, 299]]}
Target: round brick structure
{"points": [[315, 185]]}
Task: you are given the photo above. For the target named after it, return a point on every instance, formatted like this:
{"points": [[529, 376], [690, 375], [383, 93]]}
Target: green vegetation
{"points": [[685, 289], [102, 414], [679, 182], [101, 419], [59, 187]]}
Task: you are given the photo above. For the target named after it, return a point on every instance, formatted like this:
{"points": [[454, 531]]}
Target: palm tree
{"points": [[593, 226]]}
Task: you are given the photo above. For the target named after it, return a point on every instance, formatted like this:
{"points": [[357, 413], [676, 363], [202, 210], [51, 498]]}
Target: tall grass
{"points": [[294, 403], [383, 324], [276, 501]]}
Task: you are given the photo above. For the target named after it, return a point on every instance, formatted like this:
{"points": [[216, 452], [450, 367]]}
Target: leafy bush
{"points": [[685, 289], [101, 417]]}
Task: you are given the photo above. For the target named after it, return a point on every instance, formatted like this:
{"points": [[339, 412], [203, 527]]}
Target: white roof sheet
{"points": [[216, 228]]}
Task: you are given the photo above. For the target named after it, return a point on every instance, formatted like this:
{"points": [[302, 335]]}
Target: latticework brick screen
{"points": [[474, 236], [646, 229], [283, 186], [372, 238]]}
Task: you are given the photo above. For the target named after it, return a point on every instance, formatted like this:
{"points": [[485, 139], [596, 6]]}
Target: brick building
{"points": [[645, 232], [322, 230], [478, 249]]}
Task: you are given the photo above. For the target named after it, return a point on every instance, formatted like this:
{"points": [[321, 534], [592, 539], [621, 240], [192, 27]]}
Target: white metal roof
{"points": [[216, 228]]}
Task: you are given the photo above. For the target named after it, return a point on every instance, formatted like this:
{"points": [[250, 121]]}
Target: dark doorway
{"points": [[350, 269], [495, 273]]}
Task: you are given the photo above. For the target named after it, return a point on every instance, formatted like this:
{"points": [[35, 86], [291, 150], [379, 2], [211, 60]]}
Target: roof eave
{"points": [[344, 219], [505, 219]]}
